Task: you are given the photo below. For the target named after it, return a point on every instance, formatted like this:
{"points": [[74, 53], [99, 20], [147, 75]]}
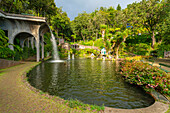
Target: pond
{"points": [[90, 81]]}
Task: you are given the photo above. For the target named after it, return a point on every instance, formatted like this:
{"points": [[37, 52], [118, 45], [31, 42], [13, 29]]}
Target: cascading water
{"points": [[56, 57], [68, 55]]}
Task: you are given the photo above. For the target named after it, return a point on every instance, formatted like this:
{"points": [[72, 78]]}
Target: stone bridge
{"points": [[28, 29]]}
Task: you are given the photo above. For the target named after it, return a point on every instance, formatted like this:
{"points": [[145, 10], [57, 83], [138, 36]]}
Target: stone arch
{"points": [[42, 30], [24, 37]]}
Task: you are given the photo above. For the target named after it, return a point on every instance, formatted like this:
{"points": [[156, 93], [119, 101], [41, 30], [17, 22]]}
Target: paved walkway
{"points": [[163, 61], [17, 97]]}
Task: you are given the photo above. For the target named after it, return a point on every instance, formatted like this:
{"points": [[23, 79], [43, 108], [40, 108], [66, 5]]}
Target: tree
{"points": [[120, 38], [118, 7], [74, 37], [80, 25], [14, 6], [61, 24], [44, 8], [150, 12]]}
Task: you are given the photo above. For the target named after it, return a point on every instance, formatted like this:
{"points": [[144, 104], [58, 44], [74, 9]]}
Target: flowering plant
{"points": [[145, 75]]}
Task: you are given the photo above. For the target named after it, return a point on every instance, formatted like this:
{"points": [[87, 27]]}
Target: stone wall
{"points": [[8, 63]]}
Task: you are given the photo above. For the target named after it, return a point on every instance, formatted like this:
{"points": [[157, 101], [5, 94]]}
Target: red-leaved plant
{"points": [[145, 75]]}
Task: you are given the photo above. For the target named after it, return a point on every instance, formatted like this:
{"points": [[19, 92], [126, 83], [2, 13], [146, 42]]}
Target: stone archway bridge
{"points": [[29, 29]]}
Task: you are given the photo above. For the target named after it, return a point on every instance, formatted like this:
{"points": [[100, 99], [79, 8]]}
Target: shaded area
{"points": [[8, 63]]}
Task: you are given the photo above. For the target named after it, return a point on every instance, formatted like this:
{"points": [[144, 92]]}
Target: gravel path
{"points": [[16, 97]]}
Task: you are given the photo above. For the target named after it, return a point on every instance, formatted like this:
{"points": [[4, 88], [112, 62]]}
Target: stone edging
{"points": [[157, 107]]}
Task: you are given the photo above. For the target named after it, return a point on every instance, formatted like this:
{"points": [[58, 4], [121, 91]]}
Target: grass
{"points": [[2, 73], [168, 110], [76, 104]]}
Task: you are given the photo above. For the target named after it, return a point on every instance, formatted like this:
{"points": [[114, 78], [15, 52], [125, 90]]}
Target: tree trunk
{"points": [[83, 37], [57, 33], [103, 34], [10, 6], [96, 36], [117, 52], [117, 49], [153, 39]]}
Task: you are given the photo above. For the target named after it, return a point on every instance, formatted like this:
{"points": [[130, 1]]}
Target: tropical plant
{"points": [[146, 76], [5, 52]]}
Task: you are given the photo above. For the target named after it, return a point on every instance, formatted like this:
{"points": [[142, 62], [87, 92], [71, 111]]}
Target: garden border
{"points": [[156, 107]]}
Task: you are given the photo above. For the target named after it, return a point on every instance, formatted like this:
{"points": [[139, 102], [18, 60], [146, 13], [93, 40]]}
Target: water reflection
{"points": [[91, 81]]}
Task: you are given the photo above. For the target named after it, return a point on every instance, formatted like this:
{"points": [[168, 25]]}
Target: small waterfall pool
{"points": [[90, 81]]}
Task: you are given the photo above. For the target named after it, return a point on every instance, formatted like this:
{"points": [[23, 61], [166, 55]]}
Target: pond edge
{"points": [[159, 106]]}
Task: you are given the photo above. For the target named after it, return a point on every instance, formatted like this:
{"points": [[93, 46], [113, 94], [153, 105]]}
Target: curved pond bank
{"points": [[18, 96], [90, 81]]}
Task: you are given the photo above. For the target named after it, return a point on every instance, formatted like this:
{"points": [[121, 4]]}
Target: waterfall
{"points": [[55, 50], [55, 55]]}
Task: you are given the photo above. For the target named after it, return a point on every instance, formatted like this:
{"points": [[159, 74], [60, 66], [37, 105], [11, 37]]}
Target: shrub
{"points": [[147, 76], [76, 104], [137, 58], [6, 53]]}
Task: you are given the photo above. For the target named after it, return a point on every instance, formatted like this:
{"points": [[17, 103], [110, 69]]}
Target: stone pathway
{"points": [[164, 61], [17, 97]]}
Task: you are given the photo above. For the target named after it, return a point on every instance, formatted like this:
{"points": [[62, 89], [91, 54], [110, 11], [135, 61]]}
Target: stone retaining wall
{"points": [[8, 63]]}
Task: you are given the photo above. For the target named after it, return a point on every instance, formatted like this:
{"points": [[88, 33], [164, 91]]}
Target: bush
{"points": [[139, 49], [137, 58], [147, 76], [162, 48], [6, 53], [87, 52]]}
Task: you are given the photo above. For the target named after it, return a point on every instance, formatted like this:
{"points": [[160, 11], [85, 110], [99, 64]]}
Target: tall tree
{"points": [[118, 7], [80, 24], [61, 24], [150, 12]]}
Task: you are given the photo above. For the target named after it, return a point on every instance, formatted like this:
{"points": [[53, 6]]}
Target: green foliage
{"points": [[76, 104], [162, 48], [87, 52], [86, 43], [48, 45], [146, 76], [118, 7], [5, 52], [63, 52], [23, 54], [61, 24], [140, 49], [136, 58], [103, 26], [149, 17]]}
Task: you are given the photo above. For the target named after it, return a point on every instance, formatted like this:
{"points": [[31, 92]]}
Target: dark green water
{"points": [[91, 81]]}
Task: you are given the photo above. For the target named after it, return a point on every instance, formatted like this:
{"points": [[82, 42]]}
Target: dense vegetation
{"points": [[146, 76], [140, 28]]}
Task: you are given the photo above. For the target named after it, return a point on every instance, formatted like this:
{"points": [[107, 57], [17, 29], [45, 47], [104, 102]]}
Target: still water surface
{"points": [[89, 80]]}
